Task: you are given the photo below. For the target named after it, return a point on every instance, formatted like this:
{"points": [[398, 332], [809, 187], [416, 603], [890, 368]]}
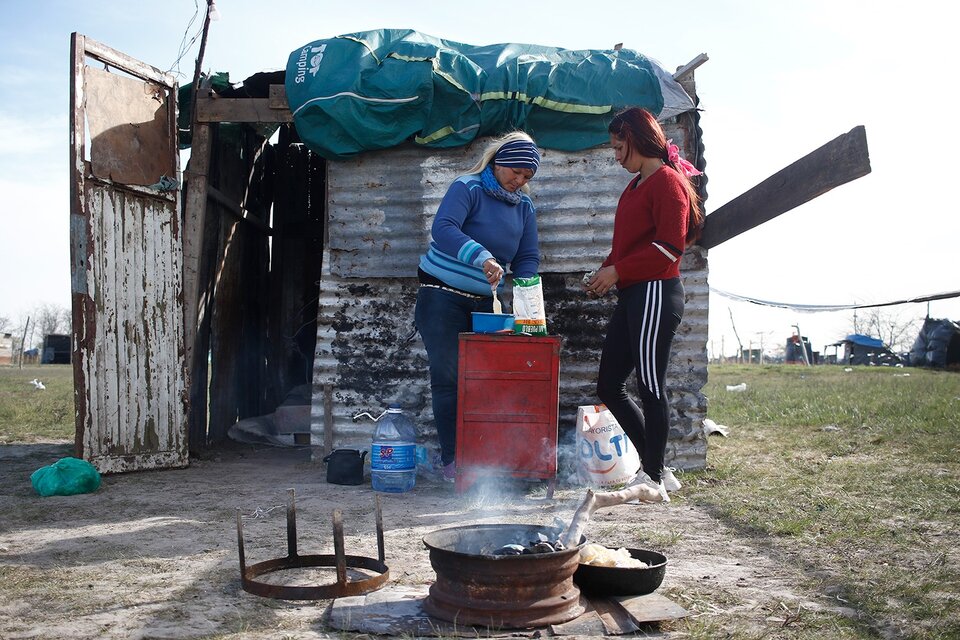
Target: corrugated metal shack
{"points": [[299, 271], [291, 273], [380, 210]]}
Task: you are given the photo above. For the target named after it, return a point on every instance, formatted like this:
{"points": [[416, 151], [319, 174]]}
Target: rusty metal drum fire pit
{"points": [[476, 587]]}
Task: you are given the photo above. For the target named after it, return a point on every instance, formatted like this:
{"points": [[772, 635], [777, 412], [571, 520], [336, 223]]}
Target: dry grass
{"points": [[854, 475], [28, 414]]}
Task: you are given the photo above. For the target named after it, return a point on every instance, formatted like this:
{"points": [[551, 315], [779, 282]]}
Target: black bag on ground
{"points": [[345, 466]]}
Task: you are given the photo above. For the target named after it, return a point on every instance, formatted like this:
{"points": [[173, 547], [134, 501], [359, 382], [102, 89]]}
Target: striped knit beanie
{"points": [[520, 154]]}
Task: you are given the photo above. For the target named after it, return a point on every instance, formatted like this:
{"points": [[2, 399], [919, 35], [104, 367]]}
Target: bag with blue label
{"points": [[605, 455]]}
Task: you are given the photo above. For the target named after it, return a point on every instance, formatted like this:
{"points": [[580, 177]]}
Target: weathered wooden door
{"points": [[126, 262]]}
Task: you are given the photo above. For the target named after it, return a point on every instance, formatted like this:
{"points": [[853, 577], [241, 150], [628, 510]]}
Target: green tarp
{"points": [[377, 89]]}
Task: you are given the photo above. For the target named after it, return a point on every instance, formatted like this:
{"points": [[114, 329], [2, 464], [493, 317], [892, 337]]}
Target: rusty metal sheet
{"points": [[368, 353], [380, 208]]}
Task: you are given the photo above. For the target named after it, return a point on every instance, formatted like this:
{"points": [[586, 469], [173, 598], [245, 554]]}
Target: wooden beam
{"points": [[82, 317], [843, 159], [194, 214], [272, 109], [237, 210], [120, 60], [690, 67]]}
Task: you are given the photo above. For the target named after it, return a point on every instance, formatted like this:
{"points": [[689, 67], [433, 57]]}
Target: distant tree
{"points": [[49, 318], [4, 323], [66, 320], [44, 320], [893, 328]]}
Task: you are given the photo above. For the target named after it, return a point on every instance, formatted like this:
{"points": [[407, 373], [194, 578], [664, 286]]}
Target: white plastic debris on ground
{"points": [[710, 427]]}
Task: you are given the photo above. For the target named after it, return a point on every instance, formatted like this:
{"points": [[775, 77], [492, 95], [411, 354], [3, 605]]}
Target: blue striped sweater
{"points": [[471, 227]]}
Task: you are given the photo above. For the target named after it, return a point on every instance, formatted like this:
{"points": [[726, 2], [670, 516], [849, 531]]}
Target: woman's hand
{"points": [[493, 271], [601, 282]]}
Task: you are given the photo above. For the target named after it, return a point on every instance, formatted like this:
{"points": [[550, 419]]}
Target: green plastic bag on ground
{"points": [[66, 477]]}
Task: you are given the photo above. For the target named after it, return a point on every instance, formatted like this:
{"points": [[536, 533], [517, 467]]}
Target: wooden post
{"points": [[327, 419], [195, 205], [23, 342], [194, 212]]}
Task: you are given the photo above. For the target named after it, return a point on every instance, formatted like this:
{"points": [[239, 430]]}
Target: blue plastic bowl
{"points": [[492, 322]]}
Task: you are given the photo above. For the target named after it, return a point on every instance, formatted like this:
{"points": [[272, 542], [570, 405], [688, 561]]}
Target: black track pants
{"points": [[639, 336]]}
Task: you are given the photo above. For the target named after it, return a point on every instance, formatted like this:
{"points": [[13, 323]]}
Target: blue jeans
{"points": [[441, 316]]}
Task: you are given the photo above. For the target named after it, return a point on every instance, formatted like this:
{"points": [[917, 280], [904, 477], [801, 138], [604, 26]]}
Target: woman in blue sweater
{"points": [[485, 222]]}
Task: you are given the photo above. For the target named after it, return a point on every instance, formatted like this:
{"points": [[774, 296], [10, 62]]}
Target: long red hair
{"points": [[643, 134]]}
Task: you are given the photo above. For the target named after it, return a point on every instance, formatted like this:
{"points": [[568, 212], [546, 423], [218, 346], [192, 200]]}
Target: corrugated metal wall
{"points": [[380, 209]]}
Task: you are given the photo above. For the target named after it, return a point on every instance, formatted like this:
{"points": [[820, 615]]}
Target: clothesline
{"points": [[814, 308]]}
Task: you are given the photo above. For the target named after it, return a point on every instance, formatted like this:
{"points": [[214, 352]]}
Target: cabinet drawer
{"points": [[483, 356]]}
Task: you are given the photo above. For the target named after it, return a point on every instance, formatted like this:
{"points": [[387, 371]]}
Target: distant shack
{"points": [[860, 349]]}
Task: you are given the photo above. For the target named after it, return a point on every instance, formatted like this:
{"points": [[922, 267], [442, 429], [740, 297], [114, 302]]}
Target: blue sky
{"points": [[782, 79]]}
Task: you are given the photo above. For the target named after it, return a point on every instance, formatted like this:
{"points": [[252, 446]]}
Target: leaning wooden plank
{"points": [[841, 160]]}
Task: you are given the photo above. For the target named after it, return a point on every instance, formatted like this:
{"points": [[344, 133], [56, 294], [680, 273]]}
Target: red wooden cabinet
{"points": [[507, 398]]}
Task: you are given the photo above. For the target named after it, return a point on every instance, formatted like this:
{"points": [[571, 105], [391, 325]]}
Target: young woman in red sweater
{"points": [[658, 215]]}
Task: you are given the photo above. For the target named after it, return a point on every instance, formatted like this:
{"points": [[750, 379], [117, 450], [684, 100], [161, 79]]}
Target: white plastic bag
{"points": [[605, 455]]}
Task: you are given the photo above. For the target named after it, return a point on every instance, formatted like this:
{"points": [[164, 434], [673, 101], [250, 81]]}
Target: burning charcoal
{"points": [[510, 550], [543, 547], [559, 546]]}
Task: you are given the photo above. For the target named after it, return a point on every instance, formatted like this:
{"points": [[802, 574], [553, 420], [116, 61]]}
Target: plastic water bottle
{"points": [[393, 455]]}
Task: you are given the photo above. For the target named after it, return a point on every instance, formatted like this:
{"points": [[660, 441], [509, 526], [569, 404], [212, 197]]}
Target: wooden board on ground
{"points": [[650, 608], [586, 624], [398, 611]]}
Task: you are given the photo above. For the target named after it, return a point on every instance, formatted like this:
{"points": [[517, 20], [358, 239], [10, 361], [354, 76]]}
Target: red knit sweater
{"points": [[650, 229]]}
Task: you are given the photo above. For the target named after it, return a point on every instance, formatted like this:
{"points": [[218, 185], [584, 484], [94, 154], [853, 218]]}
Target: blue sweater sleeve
{"points": [[447, 231]]}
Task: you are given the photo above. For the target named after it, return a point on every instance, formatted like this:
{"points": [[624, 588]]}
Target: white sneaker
{"points": [[643, 478], [640, 478], [668, 480]]}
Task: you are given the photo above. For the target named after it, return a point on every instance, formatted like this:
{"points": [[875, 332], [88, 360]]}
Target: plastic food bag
{"points": [[529, 314], [66, 477], [605, 455]]}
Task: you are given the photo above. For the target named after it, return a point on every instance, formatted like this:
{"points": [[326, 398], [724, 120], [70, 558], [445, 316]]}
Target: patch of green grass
{"points": [[853, 473], [28, 414]]}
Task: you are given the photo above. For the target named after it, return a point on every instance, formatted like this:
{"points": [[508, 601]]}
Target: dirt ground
{"points": [[154, 554]]}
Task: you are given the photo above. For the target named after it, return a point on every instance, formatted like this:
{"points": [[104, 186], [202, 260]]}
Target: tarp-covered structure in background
{"points": [[861, 349], [377, 89], [937, 345]]}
